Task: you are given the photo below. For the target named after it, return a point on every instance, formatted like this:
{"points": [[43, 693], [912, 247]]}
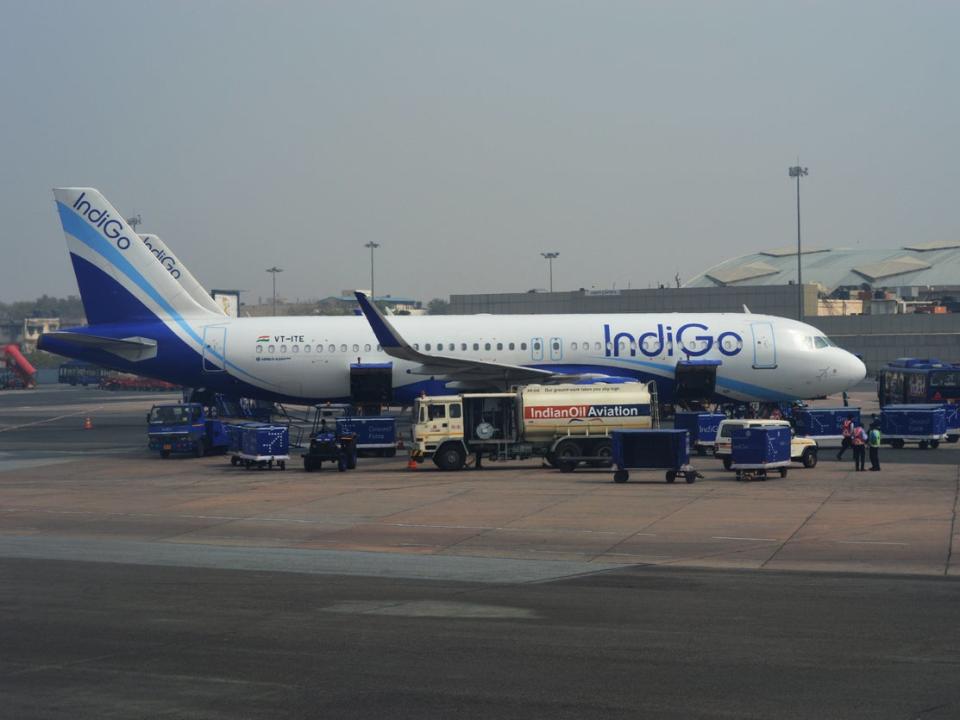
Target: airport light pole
{"points": [[550, 257], [273, 271], [798, 172], [373, 246]]}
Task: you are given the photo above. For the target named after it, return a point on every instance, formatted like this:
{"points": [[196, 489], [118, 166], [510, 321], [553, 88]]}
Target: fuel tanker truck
{"points": [[564, 424]]}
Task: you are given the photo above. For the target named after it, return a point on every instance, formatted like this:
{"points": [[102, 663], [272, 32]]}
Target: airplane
{"points": [[143, 319]]}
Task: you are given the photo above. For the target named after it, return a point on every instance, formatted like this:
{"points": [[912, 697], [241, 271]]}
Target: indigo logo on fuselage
{"points": [[109, 226], [663, 341], [167, 260]]}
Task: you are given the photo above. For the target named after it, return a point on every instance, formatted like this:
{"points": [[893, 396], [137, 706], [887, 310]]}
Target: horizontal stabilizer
{"points": [[133, 349]]}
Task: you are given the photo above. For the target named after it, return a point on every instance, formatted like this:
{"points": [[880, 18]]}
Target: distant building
{"points": [[33, 328]]}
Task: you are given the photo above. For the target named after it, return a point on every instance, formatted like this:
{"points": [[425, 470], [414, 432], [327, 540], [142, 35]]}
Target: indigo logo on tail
{"points": [[101, 219], [167, 260]]}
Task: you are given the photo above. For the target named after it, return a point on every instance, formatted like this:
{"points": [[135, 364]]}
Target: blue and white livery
{"points": [[149, 316]]}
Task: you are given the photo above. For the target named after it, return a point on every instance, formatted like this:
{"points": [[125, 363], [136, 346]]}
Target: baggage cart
{"points": [[756, 450], [702, 427], [825, 425], [951, 413], [376, 435], [261, 445], [925, 425], [652, 450]]}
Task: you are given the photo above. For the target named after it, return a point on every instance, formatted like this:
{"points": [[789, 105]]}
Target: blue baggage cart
{"points": [[825, 425], [951, 413], [260, 445], [755, 450], [925, 425], [702, 427], [652, 450], [374, 434]]}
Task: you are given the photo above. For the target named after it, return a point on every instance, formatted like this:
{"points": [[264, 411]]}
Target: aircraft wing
{"points": [[459, 369]]}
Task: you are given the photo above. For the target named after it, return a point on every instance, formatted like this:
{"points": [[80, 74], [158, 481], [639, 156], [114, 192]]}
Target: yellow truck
{"points": [[565, 424]]}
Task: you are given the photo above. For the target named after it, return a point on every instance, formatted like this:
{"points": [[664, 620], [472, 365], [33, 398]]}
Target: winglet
{"points": [[387, 336]]}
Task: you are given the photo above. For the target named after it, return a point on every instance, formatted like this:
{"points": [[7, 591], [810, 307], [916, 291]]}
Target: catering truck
{"points": [[564, 424]]}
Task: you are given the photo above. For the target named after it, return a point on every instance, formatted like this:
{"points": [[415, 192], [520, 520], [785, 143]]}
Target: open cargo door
{"points": [[695, 380]]}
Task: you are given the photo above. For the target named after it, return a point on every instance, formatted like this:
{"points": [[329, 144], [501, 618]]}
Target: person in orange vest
{"points": [[859, 440], [846, 430]]}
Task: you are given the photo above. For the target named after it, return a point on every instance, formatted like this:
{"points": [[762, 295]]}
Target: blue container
{"points": [[951, 417], [258, 439], [702, 426], [373, 432], [921, 422], [824, 422], [649, 449], [760, 447]]}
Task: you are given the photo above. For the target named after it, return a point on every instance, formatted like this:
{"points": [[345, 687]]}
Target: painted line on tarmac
{"points": [[869, 542], [48, 420], [727, 537]]}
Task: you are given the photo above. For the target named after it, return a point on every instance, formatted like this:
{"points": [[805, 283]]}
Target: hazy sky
{"points": [[638, 139]]}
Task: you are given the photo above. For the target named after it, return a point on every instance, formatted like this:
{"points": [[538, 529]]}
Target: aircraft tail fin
{"points": [[179, 271], [119, 278]]}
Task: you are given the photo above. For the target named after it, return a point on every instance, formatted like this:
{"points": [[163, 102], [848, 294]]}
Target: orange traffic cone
{"points": [[87, 423], [412, 464]]}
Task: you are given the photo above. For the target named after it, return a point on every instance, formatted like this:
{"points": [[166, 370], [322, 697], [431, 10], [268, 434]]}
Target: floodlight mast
{"points": [[798, 172], [550, 257], [273, 271], [373, 246]]}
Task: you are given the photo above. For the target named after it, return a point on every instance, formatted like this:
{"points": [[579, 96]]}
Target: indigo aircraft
{"points": [[148, 315]]}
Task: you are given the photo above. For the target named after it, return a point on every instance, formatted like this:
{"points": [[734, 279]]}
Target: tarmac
{"points": [[828, 593]]}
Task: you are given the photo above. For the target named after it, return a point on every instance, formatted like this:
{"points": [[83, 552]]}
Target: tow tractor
{"points": [[328, 445]]}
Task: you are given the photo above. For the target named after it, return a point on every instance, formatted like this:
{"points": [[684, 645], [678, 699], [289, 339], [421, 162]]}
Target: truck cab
{"points": [[183, 428], [438, 423]]}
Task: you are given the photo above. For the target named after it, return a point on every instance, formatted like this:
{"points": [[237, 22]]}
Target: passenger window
{"points": [[306, 348], [356, 347], [463, 346], [416, 346], [331, 348], [476, 346], [439, 347], [437, 412], [486, 346], [271, 349], [295, 348], [283, 348], [343, 347], [573, 346], [379, 348], [427, 347], [556, 345], [366, 348], [259, 349], [536, 345], [499, 346], [523, 346], [597, 347], [455, 410], [512, 346]]}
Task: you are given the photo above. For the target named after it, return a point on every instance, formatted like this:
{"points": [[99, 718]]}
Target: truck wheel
{"points": [[621, 476], [671, 476], [390, 452], [450, 457], [727, 462], [809, 458], [165, 454], [551, 459], [923, 444], [691, 477], [567, 449], [604, 452], [934, 444]]}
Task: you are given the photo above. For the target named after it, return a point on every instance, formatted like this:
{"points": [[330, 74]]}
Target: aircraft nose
{"points": [[854, 369]]}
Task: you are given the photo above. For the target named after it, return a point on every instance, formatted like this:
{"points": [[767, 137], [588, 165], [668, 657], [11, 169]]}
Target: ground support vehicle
{"points": [[260, 445], [803, 450], [951, 418], [702, 427], [20, 373], [652, 450], [824, 425], [565, 424], [375, 435], [329, 444], [755, 450], [185, 428], [923, 424]]}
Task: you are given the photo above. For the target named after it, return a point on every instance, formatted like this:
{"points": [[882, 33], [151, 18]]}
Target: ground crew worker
{"points": [[873, 440], [859, 440], [846, 430]]}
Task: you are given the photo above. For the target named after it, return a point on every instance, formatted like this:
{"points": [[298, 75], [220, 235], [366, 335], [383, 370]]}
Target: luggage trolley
{"points": [[260, 445], [755, 450], [652, 450]]}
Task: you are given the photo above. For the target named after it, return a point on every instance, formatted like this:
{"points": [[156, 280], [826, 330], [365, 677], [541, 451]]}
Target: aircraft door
{"points": [[536, 348], [214, 347], [556, 348], [764, 346]]}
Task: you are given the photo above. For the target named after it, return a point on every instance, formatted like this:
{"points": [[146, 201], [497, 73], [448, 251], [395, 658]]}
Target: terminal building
{"points": [[880, 304]]}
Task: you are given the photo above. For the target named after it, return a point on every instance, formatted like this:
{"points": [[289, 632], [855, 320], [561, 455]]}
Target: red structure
{"points": [[22, 373]]}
